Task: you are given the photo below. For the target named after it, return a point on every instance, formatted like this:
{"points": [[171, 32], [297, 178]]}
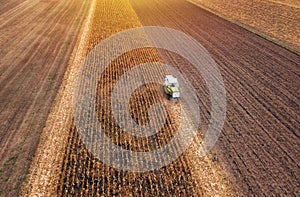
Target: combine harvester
{"points": [[171, 87]]}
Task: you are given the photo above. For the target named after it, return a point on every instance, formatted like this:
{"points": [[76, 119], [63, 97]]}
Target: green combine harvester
{"points": [[171, 87]]}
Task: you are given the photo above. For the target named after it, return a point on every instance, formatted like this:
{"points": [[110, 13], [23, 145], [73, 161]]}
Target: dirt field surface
{"points": [[276, 20], [257, 153], [259, 145], [36, 40], [63, 166]]}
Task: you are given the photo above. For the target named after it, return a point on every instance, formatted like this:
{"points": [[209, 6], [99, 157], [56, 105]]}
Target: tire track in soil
{"points": [[24, 77], [259, 145], [8, 5], [36, 44]]}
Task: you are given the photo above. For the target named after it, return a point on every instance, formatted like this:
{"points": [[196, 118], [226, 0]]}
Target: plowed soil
{"points": [[36, 40], [260, 141], [276, 20], [259, 145]]}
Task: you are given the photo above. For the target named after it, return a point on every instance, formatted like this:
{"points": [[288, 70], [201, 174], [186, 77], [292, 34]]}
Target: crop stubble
{"points": [[35, 47], [75, 171], [176, 178], [259, 144], [276, 20]]}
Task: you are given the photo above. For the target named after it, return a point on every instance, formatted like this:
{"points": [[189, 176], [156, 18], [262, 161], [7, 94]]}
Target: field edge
{"points": [[289, 47]]}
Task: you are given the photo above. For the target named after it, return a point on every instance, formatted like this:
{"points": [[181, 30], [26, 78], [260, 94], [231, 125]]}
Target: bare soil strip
{"points": [[7, 5], [259, 145], [36, 39]]}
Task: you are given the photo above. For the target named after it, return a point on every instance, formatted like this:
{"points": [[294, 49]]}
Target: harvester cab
{"points": [[171, 87]]}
